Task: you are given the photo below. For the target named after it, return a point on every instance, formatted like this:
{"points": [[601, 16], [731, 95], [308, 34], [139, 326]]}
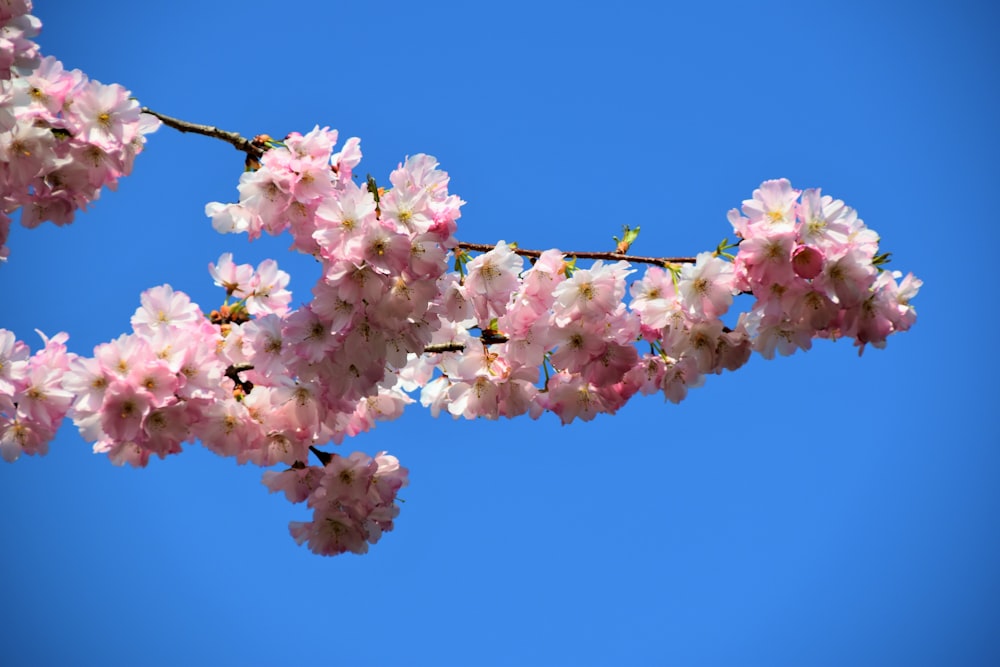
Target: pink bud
{"points": [[807, 261]]}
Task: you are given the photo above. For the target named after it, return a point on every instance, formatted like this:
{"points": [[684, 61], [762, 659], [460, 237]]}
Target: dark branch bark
{"points": [[239, 142], [255, 151], [437, 348], [233, 373], [611, 256]]}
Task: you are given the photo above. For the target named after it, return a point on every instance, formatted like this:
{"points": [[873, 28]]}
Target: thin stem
{"points": [[256, 151], [239, 142], [613, 256]]}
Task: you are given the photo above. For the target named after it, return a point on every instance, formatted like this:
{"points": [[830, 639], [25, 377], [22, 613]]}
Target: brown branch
{"points": [[239, 142], [255, 151], [487, 336], [438, 348], [612, 256], [233, 373]]}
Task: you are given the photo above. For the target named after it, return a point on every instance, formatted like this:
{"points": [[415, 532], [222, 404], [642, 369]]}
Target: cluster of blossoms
{"points": [[176, 379], [17, 28], [33, 400], [265, 383], [352, 498], [813, 267], [146, 392], [808, 260], [63, 137]]}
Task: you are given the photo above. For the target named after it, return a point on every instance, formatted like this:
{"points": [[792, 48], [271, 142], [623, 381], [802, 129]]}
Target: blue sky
{"points": [[814, 510]]}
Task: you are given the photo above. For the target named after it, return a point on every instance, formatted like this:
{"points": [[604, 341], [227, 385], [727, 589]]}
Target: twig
{"points": [[613, 256], [255, 151], [239, 142], [437, 348], [233, 373]]}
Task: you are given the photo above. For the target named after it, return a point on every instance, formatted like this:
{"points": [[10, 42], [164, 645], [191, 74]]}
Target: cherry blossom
{"points": [[400, 307], [63, 137]]}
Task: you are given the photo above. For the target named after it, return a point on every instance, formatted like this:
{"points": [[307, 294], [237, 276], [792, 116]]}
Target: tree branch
{"points": [[233, 373], [239, 142], [255, 151], [438, 348], [612, 256]]}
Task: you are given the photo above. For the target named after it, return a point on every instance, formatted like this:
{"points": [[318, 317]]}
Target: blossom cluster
{"points": [[148, 391], [17, 28], [63, 137], [265, 383], [33, 400], [577, 323], [352, 498], [813, 266], [808, 260], [382, 254]]}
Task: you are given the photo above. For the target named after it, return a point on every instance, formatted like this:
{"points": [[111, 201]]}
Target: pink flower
{"points": [[87, 380], [347, 159], [707, 286], [476, 397], [491, 279], [330, 533], [296, 483], [570, 396], [228, 428], [123, 411], [266, 194], [407, 209], [383, 248], [230, 276], [770, 334], [847, 278], [13, 361], [165, 428], [234, 219], [107, 115], [340, 219], [25, 152], [264, 336], [267, 290], [654, 298], [678, 377], [20, 435], [591, 292], [773, 203], [766, 257], [156, 379], [163, 307]]}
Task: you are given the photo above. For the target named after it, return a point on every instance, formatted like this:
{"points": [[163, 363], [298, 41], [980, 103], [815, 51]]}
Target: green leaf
{"points": [[628, 238], [880, 260]]}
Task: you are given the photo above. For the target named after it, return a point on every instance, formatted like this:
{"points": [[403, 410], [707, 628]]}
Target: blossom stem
{"points": [[611, 256], [437, 348], [239, 142], [256, 151]]}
